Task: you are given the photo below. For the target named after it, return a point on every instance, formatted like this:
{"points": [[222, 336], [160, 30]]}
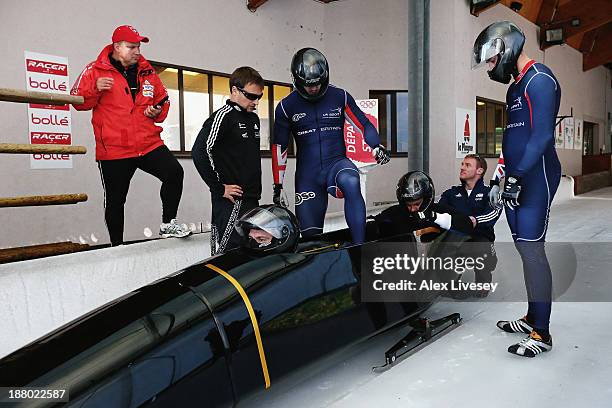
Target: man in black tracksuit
{"points": [[227, 155]]}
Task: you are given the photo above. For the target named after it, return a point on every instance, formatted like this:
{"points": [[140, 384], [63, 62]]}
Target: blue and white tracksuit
{"points": [[528, 152], [322, 165]]}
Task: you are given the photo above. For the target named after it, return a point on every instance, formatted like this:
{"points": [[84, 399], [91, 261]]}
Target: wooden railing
{"points": [[34, 201], [20, 96], [14, 148], [39, 251]]}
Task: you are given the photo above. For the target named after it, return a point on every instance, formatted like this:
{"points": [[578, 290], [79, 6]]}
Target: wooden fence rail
{"points": [[47, 98], [39, 251], [15, 148], [31, 201]]}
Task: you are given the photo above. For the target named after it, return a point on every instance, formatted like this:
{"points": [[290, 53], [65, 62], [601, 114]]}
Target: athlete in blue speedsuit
{"points": [[531, 167], [315, 113]]}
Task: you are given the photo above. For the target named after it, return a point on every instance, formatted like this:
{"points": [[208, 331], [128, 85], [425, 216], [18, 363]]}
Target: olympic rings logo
{"points": [[301, 197], [368, 104]]}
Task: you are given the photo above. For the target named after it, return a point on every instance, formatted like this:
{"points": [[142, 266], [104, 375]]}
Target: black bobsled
{"points": [[210, 334]]}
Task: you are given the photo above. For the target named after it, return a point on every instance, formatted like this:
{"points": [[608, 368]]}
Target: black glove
{"points": [[512, 189], [279, 197], [381, 155]]}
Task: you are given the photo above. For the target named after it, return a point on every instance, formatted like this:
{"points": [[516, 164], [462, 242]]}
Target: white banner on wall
{"points": [[578, 134], [48, 124], [559, 138], [357, 150], [568, 132], [465, 132]]}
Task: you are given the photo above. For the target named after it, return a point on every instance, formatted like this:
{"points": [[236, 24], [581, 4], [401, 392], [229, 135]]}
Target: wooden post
{"points": [[15, 148], [47, 98], [42, 200], [39, 251]]}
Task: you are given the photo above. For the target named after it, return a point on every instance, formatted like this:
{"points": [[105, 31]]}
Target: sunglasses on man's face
{"points": [[250, 96]]}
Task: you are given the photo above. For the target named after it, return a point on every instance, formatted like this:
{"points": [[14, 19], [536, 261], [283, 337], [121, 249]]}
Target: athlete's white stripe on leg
{"points": [[229, 228], [212, 137], [104, 194]]}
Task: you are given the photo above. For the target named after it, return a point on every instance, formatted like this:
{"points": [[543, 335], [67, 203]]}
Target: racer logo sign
{"points": [[304, 196], [48, 124], [46, 67], [50, 138]]}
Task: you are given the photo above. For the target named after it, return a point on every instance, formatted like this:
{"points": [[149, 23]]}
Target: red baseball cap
{"points": [[129, 34]]}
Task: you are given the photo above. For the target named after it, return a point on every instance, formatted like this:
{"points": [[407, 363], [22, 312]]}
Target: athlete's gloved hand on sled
{"points": [[381, 155], [279, 197], [512, 189]]}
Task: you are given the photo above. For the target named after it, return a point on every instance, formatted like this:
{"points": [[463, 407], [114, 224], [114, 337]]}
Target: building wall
{"points": [[454, 85], [218, 35]]}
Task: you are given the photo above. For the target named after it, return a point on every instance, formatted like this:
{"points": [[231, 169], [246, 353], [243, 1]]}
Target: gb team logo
{"points": [[333, 113], [517, 105]]}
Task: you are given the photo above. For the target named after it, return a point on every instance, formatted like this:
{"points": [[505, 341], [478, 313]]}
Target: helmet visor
{"points": [[483, 52], [262, 219]]}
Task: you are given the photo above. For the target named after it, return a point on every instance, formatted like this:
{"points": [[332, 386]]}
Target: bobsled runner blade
{"points": [[422, 332]]}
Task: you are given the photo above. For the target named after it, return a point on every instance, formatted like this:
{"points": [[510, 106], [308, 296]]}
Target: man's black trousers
{"points": [[223, 236], [116, 176]]}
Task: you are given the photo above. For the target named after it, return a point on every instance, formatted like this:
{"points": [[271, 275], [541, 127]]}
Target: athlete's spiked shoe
{"points": [[515, 326], [531, 345]]}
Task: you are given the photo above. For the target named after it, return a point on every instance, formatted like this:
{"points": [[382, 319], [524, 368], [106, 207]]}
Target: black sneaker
{"points": [[531, 346], [515, 326]]}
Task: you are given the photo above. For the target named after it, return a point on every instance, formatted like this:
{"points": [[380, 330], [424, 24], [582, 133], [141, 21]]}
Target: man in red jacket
{"points": [[128, 99]]}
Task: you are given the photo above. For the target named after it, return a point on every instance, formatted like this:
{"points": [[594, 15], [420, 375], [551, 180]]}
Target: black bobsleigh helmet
{"points": [[276, 221], [504, 40], [413, 186], [309, 68]]}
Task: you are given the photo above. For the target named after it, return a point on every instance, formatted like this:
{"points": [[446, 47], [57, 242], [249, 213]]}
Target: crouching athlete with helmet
{"points": [[315, 113], [418, 211]]}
